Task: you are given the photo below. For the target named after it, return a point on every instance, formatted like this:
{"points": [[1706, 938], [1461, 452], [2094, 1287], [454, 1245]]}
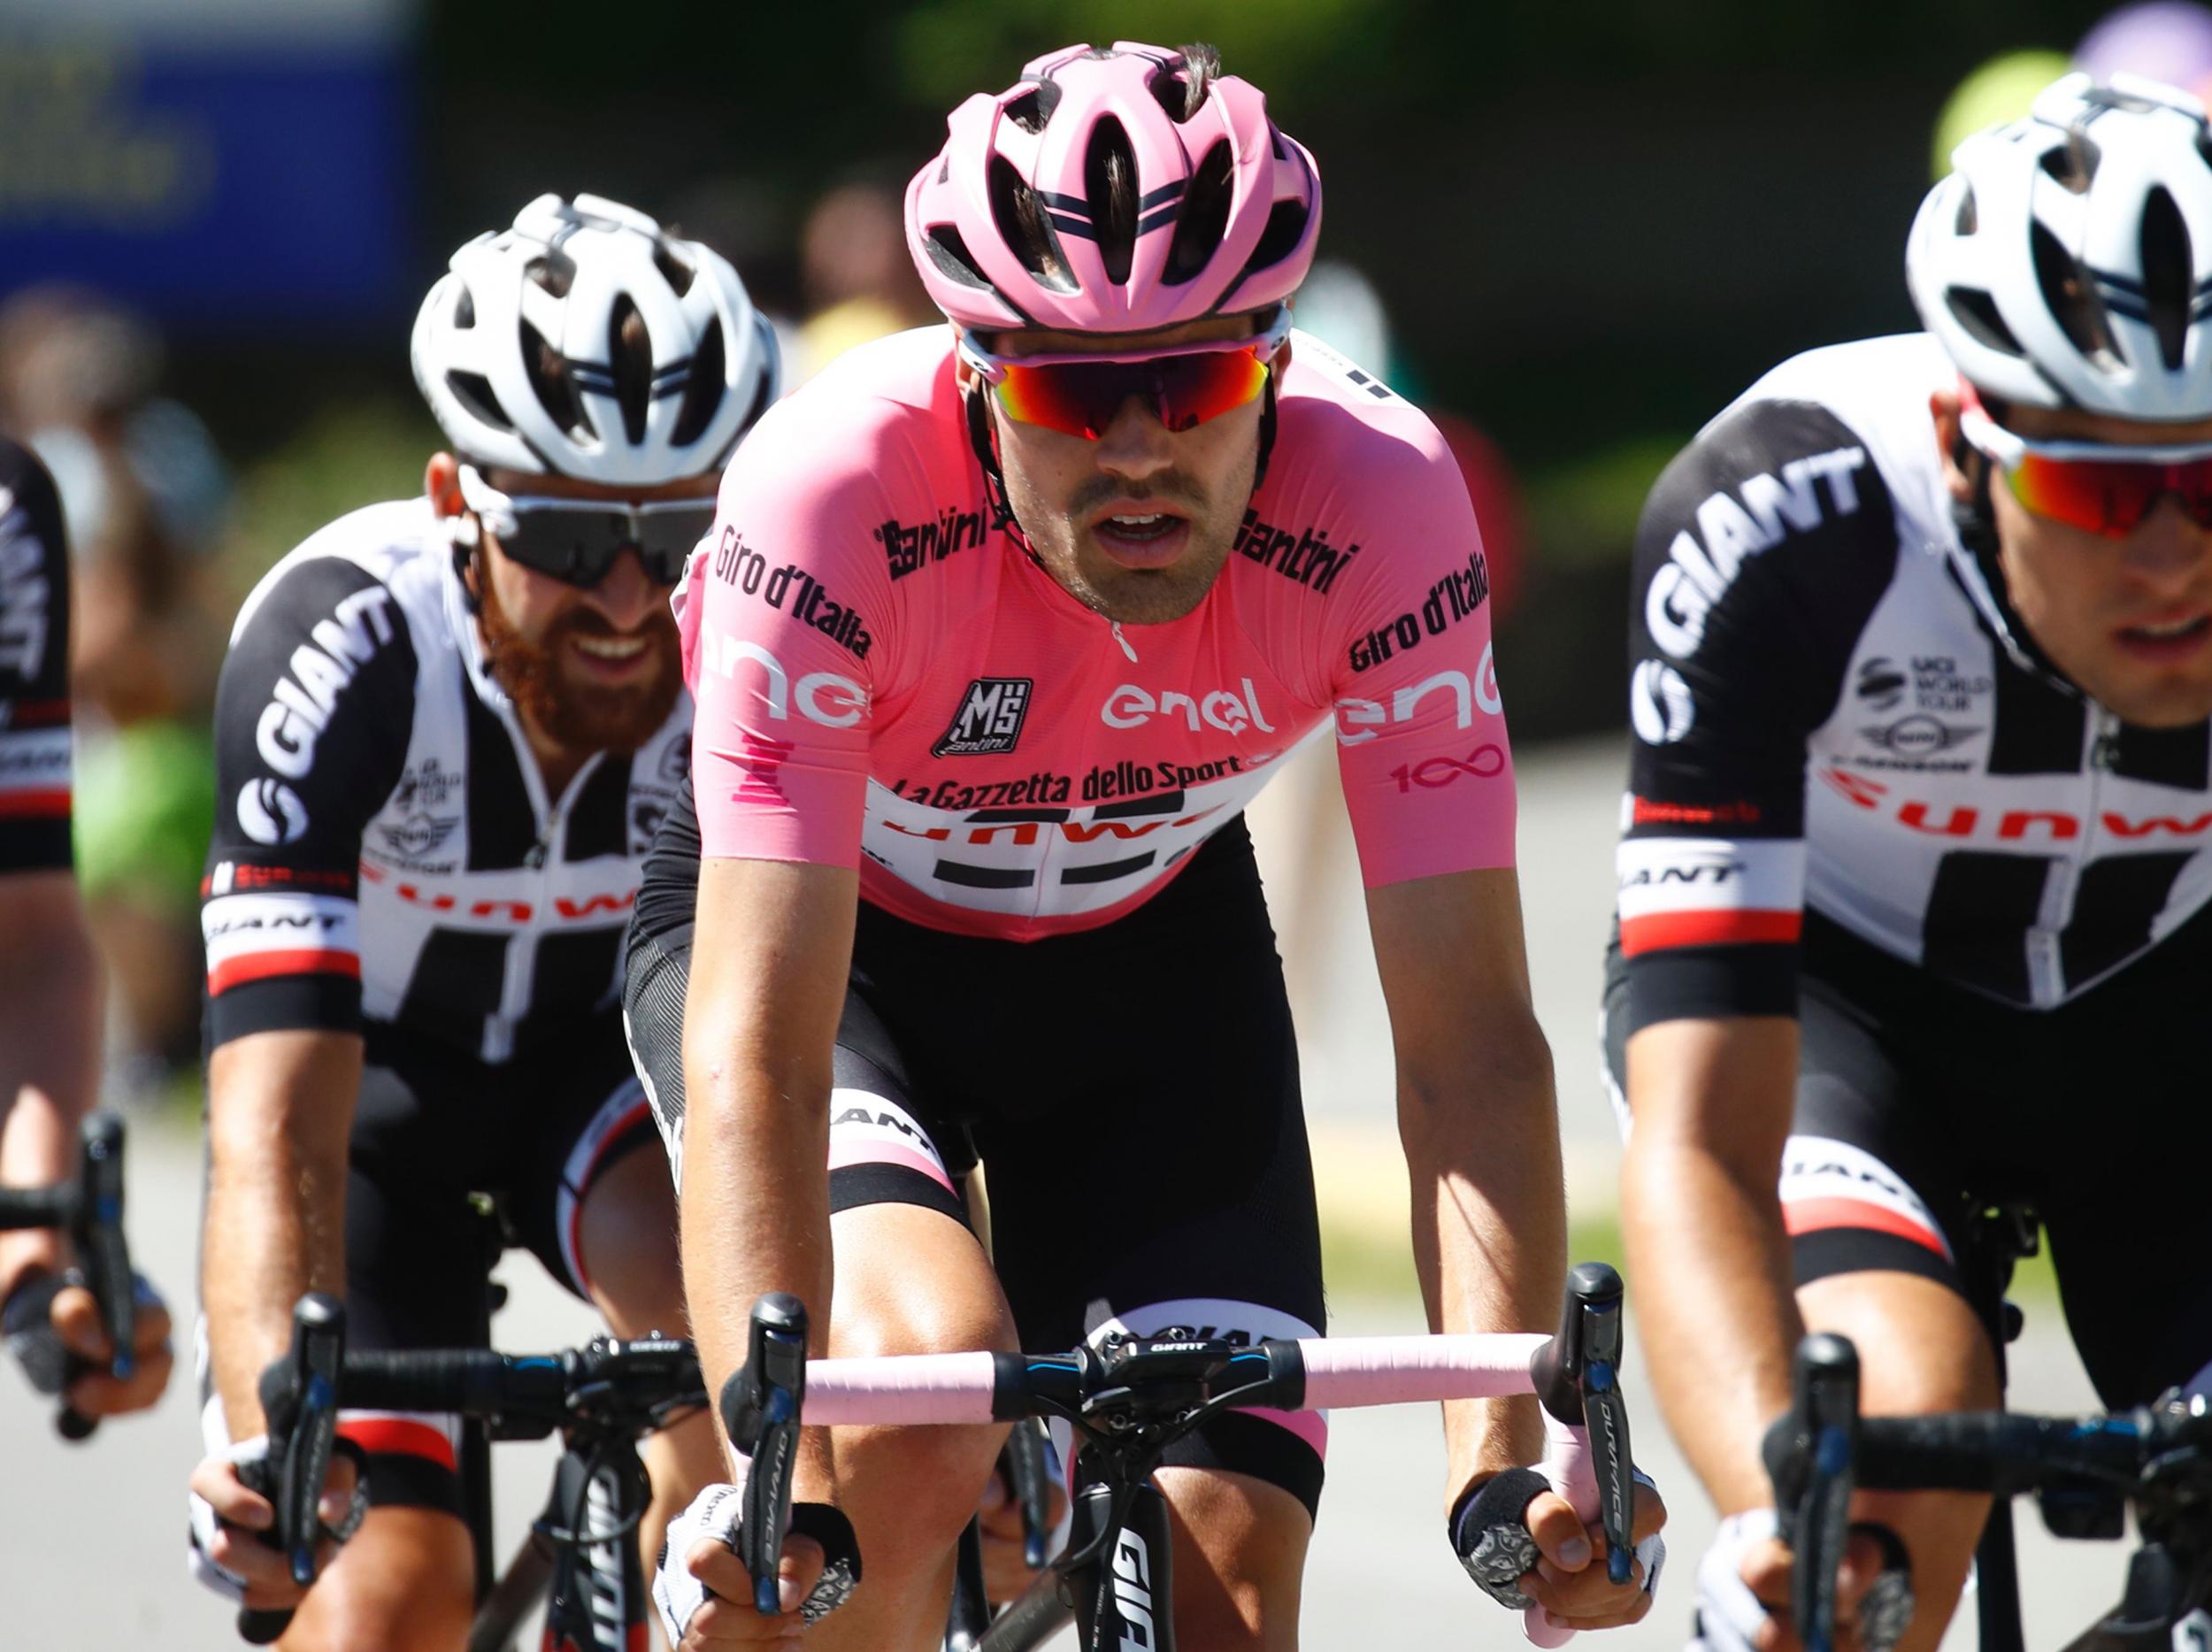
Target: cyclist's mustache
{"points": [[1169, 487]]}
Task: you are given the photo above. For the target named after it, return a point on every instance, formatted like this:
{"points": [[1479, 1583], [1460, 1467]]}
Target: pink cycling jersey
{"points": [[884, 682]]}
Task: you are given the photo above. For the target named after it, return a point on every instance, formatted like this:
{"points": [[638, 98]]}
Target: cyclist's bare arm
{"points": [[1480, 1124], [279, 1110], [50, 1049], [769, 958], [1702, 1223]]}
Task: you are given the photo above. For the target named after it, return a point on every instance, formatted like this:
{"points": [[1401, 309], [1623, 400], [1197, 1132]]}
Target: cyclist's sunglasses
{"points": [[576, 541], [1081, 394], [2095, 486]]}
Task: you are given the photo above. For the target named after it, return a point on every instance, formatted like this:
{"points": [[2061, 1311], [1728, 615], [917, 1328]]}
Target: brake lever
{"points": [[1577, 1379], [760, 1409], [96, 1230], [1026, 1471], [299, 1403], [1811, 1455]]}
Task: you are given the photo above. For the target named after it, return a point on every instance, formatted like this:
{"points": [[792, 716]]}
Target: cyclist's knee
{"points": [[627, 1242], [1921, 1347], [1239, 1555], [406, 1579]]}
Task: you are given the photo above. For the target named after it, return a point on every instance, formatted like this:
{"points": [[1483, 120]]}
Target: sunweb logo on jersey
{"points": [[990, 721], [271, 812]]}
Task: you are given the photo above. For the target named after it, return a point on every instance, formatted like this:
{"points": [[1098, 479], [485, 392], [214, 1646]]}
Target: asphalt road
{"points": [[91, 1537]]}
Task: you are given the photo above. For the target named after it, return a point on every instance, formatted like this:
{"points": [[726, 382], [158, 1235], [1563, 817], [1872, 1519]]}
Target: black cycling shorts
{"points": [[1133, 1090], [1921, 1104], [435, 1125]]}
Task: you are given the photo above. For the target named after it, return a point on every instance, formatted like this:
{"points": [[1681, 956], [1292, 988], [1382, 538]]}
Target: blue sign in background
{"points": [[220, 186]]}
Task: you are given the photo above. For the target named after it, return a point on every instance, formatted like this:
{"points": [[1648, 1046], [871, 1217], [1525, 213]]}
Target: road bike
{"points": [[582, 1555], [2086, 1473], [1131, 1398]]}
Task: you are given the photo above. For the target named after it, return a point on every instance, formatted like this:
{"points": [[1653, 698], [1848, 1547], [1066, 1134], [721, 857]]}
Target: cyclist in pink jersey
{"points": [[998, 628]]}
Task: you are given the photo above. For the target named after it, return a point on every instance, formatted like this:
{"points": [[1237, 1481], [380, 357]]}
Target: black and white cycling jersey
{"points": [[34, 753], [384, 846], [1834, 708]]}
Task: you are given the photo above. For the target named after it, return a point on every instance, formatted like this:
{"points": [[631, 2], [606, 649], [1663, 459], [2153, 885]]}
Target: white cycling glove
{"points": [[714, 1513], [1729, 1614], [247, 1455]]}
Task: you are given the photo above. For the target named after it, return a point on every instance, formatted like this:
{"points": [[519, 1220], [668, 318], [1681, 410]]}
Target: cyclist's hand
{"points": [[1524, 1547], [53, 1327], [1743, 1590], [999, 1517], [230, 1553], [1569, 1580], [706, 1595]]}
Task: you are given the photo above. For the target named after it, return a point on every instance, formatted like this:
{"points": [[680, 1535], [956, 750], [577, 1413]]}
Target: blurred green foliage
{"points": [[347, 455]]}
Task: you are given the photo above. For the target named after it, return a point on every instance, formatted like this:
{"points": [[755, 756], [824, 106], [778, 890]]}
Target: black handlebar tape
{"points": [[1026, 1480], [474, 1382], [1998, 1451], [760, 1409], [102, 1251], [260, 1628], [1811, 1457]]}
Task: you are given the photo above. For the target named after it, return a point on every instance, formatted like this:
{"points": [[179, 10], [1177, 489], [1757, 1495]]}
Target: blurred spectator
{"points": [[857, 276], [145, 494], [744, 221], [2162, 40], [2001, 89]]}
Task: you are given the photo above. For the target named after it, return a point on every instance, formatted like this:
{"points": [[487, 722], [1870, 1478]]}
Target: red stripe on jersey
{"points": [[28, 714], [50, 804], [1813, 1215], [1738, 926], [399, 1436], [253, 966]]}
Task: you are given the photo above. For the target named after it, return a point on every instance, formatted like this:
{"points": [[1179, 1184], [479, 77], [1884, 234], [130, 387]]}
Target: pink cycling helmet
{"points": [[1100, 195]]}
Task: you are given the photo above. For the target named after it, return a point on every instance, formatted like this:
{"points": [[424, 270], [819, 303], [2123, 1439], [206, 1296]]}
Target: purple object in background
{"points": [[2163, 40]]}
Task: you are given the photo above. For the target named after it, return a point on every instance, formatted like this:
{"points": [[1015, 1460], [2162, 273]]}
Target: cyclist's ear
{"points": [[442, 482]]}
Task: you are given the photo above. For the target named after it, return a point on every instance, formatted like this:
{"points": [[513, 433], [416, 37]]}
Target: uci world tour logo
{"points": [[990, 721]]}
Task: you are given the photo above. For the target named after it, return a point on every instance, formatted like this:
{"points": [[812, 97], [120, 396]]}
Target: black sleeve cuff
{"points": [[284, 1003], [36, 845], [1695, 983]]}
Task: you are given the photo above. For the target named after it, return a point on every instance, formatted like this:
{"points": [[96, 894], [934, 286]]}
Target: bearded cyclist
{"points": [[1913, 885], [999, 629], [447, 728], [50, 974]]}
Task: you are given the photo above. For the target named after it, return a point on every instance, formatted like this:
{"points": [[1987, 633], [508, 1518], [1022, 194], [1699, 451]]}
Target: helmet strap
{"points": [[466, 533], [1267, 434], [1975, 521], [984, 441]]}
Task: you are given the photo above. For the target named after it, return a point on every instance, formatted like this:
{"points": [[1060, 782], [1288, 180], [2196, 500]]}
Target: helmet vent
{"points": [[2074, 165], [1204, 216], [1968, 219], [1019, 218], [556, 272], [473, 391], [2072, 297], [702, 390], [1032, 109], [548, 380], [1173, 92], [949, 253], [465, 309], [632, 366], [1110, 184], [1286, 227], [1977, 312], [2168, 275], [673, 270]]}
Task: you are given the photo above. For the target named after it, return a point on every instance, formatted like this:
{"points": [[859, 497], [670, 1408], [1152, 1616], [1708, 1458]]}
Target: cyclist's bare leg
{"points": [[406, 1579], [627, 1236], [1239, 1555], [1921, 1349], [909, 1280]]}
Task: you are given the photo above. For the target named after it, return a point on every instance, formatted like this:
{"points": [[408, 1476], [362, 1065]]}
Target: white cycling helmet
{"points": [[2067, 260], [515, 348]]}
